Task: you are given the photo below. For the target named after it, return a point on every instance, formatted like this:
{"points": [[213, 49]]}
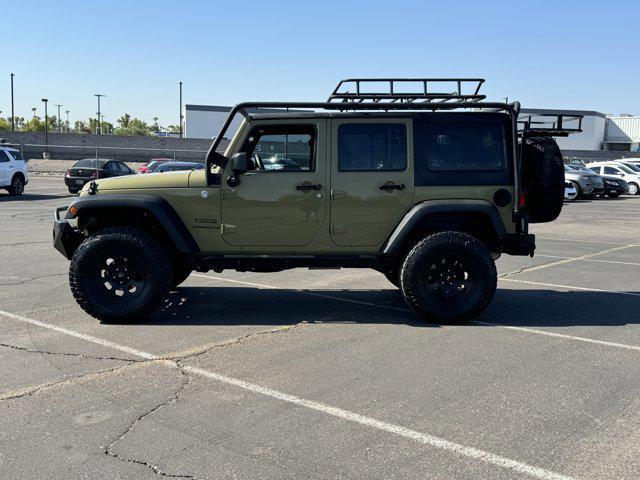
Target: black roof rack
{"points": [[386, 94], [408, 90], [549, 124]]}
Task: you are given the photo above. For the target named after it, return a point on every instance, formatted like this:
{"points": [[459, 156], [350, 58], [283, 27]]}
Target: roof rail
{"points": [[408, 90], [549, 124]]}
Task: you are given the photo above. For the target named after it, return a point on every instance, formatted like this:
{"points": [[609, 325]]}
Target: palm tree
{"points": [[33, 109]]}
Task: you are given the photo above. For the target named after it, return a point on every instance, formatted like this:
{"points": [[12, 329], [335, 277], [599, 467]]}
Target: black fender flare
{"points": [[419, 212], [160, 208]]}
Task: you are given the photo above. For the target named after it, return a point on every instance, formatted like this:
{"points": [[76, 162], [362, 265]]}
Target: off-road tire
{"points": [[181, 271], [133, 248], [476, 269], [17, 186]]}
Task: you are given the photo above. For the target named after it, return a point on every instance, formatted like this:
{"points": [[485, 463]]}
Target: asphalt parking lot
{"points": [[325, 374]]}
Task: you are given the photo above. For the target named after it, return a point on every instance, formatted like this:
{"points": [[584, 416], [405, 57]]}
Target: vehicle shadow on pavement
{"points": [[25, 197], [255, 306], [553, 308]]}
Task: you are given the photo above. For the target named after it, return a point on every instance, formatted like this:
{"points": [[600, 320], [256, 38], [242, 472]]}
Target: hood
{"points": [[148, 180]]}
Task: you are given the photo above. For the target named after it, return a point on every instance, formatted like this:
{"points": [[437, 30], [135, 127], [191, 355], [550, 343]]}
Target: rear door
{"points": [[4, 168], [371, 178], [280, 201]]}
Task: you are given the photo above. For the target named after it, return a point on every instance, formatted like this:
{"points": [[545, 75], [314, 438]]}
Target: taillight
{"points": [[94, 174], [522, 200], [68, 174]]}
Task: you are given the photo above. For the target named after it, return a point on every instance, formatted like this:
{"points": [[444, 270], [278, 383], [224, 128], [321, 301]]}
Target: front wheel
{"points": [[573, 196], [448, 277], [17, 186], [120, 274], [633, 188]]}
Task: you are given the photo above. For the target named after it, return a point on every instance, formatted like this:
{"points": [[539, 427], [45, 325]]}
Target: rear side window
{"points": [[478, 147], [3, 156], [372, 147], [611, 171]]}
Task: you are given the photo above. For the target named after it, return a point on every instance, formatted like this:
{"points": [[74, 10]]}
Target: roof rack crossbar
{"points": [[390, 90]]}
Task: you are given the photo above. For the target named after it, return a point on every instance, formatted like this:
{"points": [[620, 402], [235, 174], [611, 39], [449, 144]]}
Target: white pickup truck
{"points": [[13, 171]]}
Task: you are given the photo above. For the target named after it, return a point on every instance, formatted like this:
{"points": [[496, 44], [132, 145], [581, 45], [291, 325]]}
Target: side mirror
{"points": [[239, 163], [239, 166]]}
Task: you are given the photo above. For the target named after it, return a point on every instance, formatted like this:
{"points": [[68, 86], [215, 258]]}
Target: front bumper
{"points": [[65, 238], [519, 244]]}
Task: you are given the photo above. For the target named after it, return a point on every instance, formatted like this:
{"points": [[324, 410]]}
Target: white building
{"points": [[592, 136]]}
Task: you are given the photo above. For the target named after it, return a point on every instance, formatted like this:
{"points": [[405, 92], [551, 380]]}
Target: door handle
{"points": [[308, 186], [391, 186]]}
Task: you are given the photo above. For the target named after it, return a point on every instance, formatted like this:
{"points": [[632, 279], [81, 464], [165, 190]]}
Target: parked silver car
{"points": [[588, 184]]}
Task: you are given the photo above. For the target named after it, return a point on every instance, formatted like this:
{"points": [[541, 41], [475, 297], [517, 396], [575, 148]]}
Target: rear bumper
{"points": [[77, 182], [519, 244], [65, 238]]}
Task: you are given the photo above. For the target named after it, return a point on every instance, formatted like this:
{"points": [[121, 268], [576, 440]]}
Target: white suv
{"points": [[13, 171], [621, 171]]}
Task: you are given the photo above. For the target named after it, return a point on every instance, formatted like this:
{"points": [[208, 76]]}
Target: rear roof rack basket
{"points": [[549, 124], [408, 90]]}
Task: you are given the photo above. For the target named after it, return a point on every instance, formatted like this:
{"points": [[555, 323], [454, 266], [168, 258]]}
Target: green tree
{"points": [[174, 128], [124, 120], [5, 125], [81, 127]]}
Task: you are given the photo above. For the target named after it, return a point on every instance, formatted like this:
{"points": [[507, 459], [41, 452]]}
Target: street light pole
{"points": [[99, 125], [13, 115], [46, 126], [180, 116], [59, 119], [68, 126]]}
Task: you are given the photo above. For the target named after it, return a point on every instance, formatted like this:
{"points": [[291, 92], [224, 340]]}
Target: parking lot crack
{"points": [[31, 389], [202, 349], [23, 280], [154, 468], [70, 354]]}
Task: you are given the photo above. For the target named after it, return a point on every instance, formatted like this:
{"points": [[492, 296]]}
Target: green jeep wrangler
{"points": [[427, 187]]}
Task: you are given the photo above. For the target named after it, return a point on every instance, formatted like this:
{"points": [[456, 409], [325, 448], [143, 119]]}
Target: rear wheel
{"points": [[448, 277], [17, 186], [73, 191], [613, 195], [633, 188], [120, 274]]}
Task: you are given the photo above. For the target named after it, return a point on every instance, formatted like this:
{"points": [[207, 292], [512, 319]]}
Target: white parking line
{"points": [[568, 260], [570, 287], [572, 240], [591, 260], [398, 430]]}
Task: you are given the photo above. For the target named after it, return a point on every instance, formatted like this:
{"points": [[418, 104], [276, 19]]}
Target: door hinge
{"points": [[226, 229]]}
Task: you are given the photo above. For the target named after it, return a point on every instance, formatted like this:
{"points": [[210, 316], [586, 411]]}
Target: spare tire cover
{"points": [[542, 179]]}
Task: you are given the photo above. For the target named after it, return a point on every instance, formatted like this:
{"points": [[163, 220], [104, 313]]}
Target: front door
{"points": [[5, 178], [280, 200], [371, 179]]}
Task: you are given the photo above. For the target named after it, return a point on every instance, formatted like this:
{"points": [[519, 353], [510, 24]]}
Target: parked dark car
{"points": [[175, 166], [91, 169], [153, 164]]}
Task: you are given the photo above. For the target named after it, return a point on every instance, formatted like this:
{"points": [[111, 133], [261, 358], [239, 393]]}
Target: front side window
{"points": [[17, 155], [3, 156], [281, 149], [466, 147], [372, 147]]}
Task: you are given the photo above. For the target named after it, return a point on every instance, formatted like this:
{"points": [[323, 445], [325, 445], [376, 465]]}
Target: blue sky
{"points": [[547, 54]]}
